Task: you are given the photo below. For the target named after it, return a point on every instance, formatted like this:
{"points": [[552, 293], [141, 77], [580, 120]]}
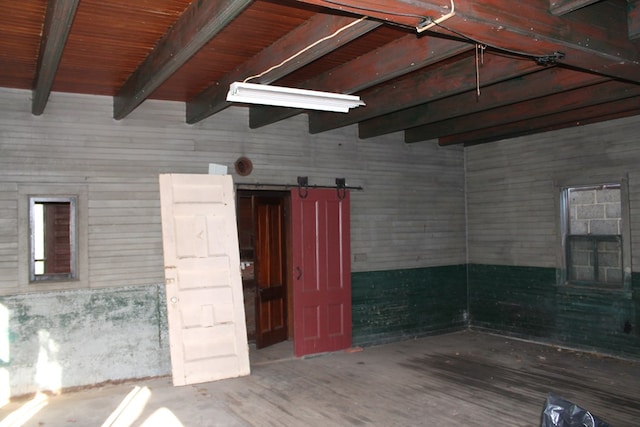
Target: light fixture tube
{"points": [[280, 96]]}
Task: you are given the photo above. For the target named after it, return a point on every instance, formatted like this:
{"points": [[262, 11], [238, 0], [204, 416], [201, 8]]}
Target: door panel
{"points": [[207, 330], [271, 271], [321, 271]]}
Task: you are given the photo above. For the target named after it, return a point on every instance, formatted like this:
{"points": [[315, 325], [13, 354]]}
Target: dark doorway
{"points": [[262, 231]]}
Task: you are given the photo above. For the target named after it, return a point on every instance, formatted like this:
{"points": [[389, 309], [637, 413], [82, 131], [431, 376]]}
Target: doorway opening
{"points": [[263, 235], [296, 270]]}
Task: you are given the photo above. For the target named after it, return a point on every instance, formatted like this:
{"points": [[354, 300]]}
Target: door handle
{"points": [[298, 273]]}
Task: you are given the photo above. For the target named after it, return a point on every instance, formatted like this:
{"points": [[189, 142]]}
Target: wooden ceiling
{"points": [[490, 70]]}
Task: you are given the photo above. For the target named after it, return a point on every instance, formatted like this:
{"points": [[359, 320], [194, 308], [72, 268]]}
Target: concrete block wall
{"points": [[595, 211]]}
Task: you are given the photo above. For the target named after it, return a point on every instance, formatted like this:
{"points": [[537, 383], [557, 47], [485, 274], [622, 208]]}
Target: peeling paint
{"points": [[82, 337]]}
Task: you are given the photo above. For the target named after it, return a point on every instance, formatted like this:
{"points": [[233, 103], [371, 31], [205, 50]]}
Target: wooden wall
{"points": [[410, 216], [513, 244]]}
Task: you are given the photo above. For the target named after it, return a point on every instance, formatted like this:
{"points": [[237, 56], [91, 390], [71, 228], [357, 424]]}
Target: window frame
{"points": [[562, 204], [53, 190], [73, 241]]}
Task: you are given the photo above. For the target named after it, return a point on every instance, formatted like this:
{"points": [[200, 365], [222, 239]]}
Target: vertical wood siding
{"points": [[410, 214]]}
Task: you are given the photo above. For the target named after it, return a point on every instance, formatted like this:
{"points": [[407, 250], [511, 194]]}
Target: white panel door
{"points": [[205, 308]]}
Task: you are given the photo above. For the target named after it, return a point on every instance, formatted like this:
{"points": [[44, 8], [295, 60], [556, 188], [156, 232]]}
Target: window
{"points": [[595, 235], [52, 233]]}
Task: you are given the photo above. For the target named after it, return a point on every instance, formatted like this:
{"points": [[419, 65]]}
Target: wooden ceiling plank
{"points": [[578, 117], [534, 85], [633, 19], [588, 43], [57, 24], [378, 66], [214, 98], [561, 7], [200, 22], [553, 104], [447, 80]]}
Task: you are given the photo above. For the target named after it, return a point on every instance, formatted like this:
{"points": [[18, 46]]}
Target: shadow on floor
{"points": [[275, 353]]}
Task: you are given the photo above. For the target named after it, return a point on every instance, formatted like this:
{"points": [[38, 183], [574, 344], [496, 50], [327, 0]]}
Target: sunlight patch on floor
{"points": [[130, 408], [163, 417], [23, 414]]}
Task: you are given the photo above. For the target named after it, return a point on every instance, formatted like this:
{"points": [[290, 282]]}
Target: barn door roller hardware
{"points": [[341, 188], [303, 186]]}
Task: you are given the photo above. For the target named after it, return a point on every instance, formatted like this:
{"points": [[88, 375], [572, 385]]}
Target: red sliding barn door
{"points": [[321, 271]]}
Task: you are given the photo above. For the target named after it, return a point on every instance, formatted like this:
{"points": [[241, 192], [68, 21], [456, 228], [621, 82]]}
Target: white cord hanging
{"points": [[479, 61]]}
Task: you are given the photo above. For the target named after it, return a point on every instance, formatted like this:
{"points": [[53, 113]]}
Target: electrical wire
{"points": [[370, 9], [338, 31], [428, 22], [542, 59], [431, 23]]}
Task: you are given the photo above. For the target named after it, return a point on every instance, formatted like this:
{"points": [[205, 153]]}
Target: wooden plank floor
{"points": [[461, 379]]}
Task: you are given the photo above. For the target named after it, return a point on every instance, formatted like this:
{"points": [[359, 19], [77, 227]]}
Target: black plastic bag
{"points": [[559, 412]]}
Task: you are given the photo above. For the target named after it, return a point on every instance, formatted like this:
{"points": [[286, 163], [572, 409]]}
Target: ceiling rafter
{"points": [[579, 117], [561, 7], [550, 105], [410, 80], [588, 43], [535, 85], [57, 24], [200, 22], [385, 63], [213, 99], [446, 80]]}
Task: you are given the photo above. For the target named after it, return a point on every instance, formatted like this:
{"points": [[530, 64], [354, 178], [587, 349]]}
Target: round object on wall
{"points": [[243, 166]]}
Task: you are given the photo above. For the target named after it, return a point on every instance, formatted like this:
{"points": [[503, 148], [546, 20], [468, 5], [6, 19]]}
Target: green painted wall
{"points": [[526, 302], [399, 304], [61, 339]]}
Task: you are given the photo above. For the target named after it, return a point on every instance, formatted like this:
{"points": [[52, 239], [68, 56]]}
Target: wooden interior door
{"points": [[205, 310], [321, 271], [271, 271]]}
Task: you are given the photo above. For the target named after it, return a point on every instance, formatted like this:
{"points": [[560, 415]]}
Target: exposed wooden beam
{"points": [[633, 19], [579, 117], [214, 98], [595, 42], [408, 13], [394, 59], [57, 24], [560, 7], [550, 105], [418, 88], [200, 22], [535, 85]]}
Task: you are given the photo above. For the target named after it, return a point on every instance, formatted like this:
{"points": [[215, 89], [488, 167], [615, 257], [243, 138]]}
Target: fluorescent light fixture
{"points": [[280, 96]]}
